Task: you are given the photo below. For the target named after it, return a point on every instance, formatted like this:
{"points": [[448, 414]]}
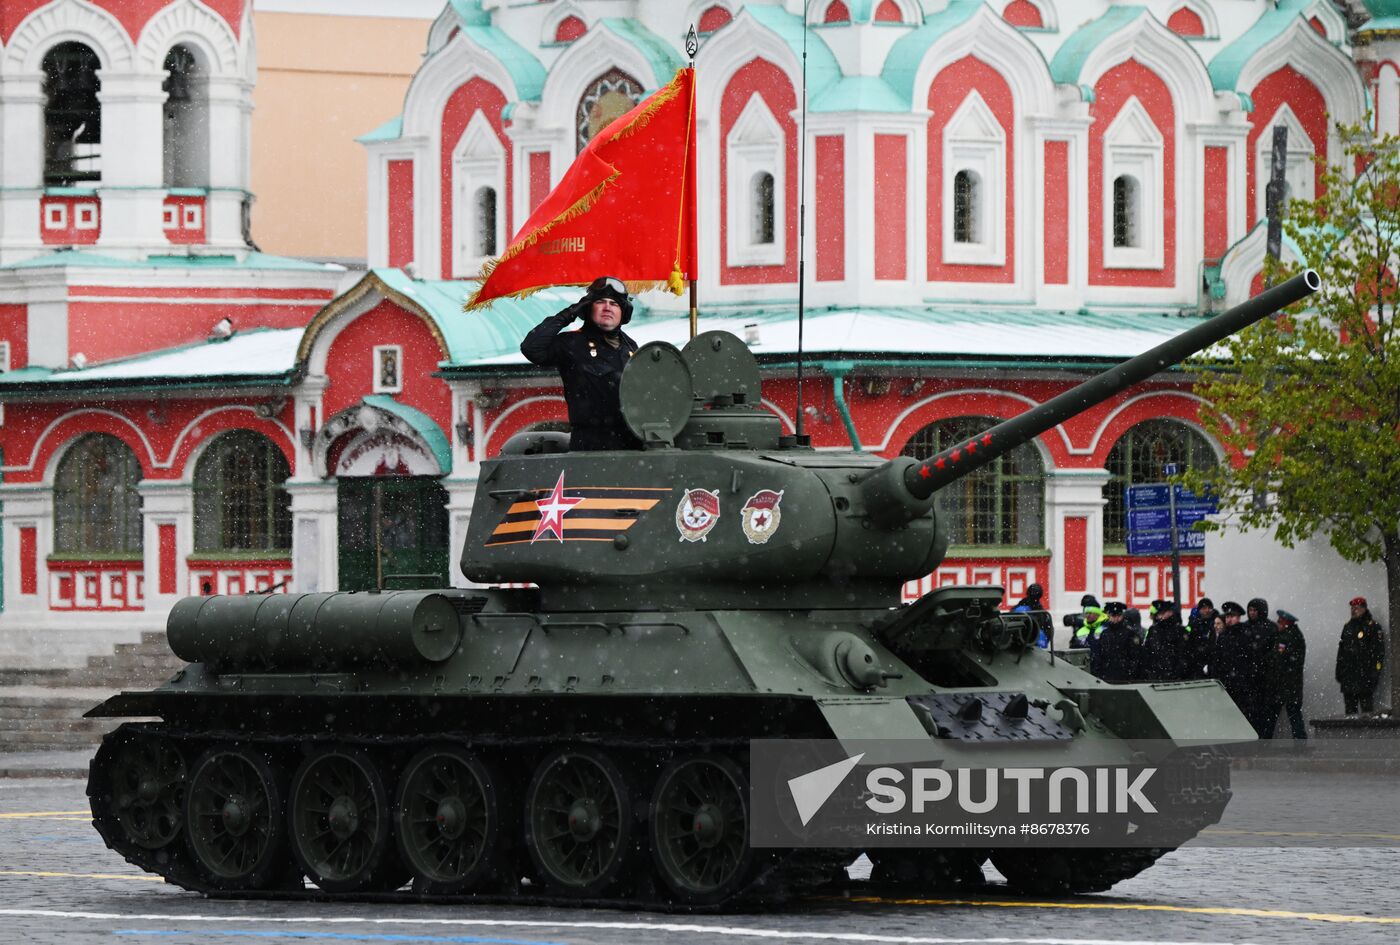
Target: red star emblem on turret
{"points": [[955, 455], [972, 446], [923, 471], [986, 439], [552, 510], [940, 462]]}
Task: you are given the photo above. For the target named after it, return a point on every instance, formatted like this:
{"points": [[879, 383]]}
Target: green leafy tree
{"points": [[1308, 402]]}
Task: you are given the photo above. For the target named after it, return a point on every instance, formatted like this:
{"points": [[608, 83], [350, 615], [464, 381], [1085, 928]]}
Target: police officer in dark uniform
{"points": [[1290, 655], [1114, 656], [1360, 655], [1163, 651], [590, 362]]}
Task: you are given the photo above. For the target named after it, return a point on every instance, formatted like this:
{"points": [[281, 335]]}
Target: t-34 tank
{"points": [[587, 739]]}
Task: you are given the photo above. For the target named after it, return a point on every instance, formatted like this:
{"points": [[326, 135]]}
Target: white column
{"points": [[21, 163], [26, 506], [466, 470], [230, 104], [308, 405], [1077, 495], [132, 190], [315, 563], [168, 503]]}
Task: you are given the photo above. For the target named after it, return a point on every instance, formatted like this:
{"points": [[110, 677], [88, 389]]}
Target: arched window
{"points": [[185, 113], [761, 208], [1002, 503], [240, 498], [966, 201], [72, 116], [837, 12], [485, 218], [96, 505], [1125, 211], [1141, 456], [607, 98]]}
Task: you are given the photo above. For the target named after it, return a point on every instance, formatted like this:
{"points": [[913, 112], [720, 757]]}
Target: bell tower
{"points": [[124, 127]]}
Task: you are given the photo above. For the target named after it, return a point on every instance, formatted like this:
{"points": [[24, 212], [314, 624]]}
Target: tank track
{"points": [[775, 877], [1197, 800]]}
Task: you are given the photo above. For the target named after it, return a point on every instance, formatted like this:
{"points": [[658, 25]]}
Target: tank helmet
{"points": [[1115, 607], [610, 287], [1231, 608]]}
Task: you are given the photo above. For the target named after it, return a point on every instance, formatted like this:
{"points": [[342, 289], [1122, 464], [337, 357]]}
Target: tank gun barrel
{"points": [[924, 477]]}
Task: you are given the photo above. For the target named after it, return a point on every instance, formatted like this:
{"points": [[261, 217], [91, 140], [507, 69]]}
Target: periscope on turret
{"points": [[584, 733]]}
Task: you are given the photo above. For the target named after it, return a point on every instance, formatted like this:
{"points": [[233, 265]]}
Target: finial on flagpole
{"points": [[692, 44]]}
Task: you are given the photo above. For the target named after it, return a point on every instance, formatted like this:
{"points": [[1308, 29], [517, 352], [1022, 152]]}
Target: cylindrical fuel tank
{"points": [[320, 631]]}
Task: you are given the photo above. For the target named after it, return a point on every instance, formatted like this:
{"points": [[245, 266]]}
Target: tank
{"points": [[585, 739]]}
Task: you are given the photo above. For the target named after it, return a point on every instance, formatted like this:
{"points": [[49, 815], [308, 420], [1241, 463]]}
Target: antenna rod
{"points": [[801, 235], [692, 45]]}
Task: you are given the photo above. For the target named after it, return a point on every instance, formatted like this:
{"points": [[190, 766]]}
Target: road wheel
{"points": [[699, 824], [578, 819], [448, 822], [235, 818], [338, 816], [147, 780]]}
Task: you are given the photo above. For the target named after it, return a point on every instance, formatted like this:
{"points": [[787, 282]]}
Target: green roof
{"points": [[254, 260], [421, 423], [663, 59], [1075, 51], [822, 67], [1227, 65], [902, 63], [865, 93], [391, 130], [525, 70]]}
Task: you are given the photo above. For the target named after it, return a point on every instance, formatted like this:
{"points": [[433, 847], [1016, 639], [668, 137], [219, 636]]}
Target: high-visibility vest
{"points": [[1094, 618]]}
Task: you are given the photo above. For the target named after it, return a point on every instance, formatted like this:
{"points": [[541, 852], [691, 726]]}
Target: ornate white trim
{"points": [[1298, 167], [1244, 261], [1331, 19], [745, 39], [191, 22], [558, 15], [755, 145], [485, 441], [987, 37], [447, 70], [1174, 394], [478, 160], [1133, 146], [1326, 66], [62, 21], [598, 51], [974, 141], [199, 449], [1170, 57], [53, 425], [907, 412]]}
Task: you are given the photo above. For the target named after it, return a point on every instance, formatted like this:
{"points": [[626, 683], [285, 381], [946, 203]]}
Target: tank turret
{"points": [[720, 509]]}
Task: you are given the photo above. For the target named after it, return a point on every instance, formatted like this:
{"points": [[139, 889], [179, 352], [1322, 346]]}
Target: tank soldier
{"points": [[1290, 652], [1033, 603], [590, 363], [1360, 655]]}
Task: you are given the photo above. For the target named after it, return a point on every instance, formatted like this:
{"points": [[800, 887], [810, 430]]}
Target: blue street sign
{"points": [[1146, 496], [1185, 496], [1149, 520], [1160, 542], [1189, 516]]}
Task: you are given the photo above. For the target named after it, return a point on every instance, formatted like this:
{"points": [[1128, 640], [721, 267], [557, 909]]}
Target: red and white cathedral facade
{"points": [[1001, 198]]}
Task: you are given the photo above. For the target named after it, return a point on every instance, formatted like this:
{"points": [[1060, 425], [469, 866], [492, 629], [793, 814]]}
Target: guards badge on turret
{"points": [[697, 514], [760, 516]]}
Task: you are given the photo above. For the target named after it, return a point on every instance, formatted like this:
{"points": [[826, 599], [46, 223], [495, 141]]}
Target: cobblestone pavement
{"points": [[58, 883]]}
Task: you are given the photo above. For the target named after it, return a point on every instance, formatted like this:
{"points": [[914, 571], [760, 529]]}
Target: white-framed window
{"points": [[193, 216], [974, 192], [478, 188], [55, 216], [1132, 190], [1298, 165], [85, 216], [387, 368], [755, 186], [170, 217]]}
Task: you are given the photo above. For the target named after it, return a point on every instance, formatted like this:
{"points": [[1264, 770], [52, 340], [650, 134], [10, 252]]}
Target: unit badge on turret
{"points": [[760, 516], [697, 514]]}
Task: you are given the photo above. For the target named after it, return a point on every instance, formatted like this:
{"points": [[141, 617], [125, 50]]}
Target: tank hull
{"points": [[253, 779]]}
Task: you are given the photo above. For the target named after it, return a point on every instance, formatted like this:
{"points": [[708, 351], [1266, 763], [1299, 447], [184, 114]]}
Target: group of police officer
{"points": [[1258, 661]]}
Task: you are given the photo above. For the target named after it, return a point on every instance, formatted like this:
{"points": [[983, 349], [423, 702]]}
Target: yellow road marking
{"points": [[46, 813], [1136, 907], [50, 874]]}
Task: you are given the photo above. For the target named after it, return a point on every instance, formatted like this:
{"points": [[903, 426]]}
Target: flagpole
{"points": [[692, 45]]}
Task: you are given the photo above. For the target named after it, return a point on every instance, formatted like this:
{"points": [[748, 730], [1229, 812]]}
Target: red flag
{"points": [[625, 208]]}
